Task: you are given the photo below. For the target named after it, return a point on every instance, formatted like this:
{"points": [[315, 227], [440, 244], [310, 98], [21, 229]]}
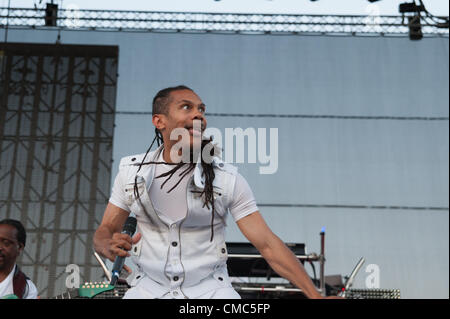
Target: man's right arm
{"points": [[108, 240]]}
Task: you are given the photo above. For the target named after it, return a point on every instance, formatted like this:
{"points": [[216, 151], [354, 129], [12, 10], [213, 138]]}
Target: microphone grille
{"points": [[130, 225]]}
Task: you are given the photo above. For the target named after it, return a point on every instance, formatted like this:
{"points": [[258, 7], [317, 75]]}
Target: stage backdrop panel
{"points": [[56, 134]]}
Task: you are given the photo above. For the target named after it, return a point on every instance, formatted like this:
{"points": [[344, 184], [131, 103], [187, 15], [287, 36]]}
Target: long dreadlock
{"points": [[159, 102]]}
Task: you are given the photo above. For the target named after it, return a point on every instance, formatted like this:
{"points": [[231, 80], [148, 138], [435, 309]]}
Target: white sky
{"points": [[358, 7]]}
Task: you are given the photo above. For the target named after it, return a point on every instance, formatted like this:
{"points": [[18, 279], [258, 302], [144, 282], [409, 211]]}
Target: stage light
{"points": [[410, 7], [414, 21], [415, 28], [51, 14]]}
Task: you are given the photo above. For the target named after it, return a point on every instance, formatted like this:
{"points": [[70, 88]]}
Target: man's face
{"points": [[10, 248], [184, 108]]}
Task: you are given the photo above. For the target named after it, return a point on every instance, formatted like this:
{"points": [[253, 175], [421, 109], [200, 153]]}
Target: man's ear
{"points": [[21, 247], [159, 121]]}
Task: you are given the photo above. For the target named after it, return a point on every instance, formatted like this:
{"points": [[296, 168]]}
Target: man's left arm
{"points": [[276, 253]]}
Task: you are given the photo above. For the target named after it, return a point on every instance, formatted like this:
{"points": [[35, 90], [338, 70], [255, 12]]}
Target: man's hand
{"points": [[120, 245], [109, 242]]}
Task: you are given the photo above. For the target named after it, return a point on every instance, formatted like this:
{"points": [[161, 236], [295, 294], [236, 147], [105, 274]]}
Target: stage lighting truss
{"points": [[141, 21]]}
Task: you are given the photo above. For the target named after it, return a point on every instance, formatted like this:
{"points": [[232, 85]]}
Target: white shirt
{"points": [[173, 204], [6, 287], [168, 267]]}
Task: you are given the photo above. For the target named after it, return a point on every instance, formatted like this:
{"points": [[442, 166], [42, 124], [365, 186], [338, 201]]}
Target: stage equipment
{"points": [[373, 294], [244, 260], [51, 15], [126, 21]]}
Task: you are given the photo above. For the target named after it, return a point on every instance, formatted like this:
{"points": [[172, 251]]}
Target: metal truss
{"points": [[216, 22], [56, 132]]}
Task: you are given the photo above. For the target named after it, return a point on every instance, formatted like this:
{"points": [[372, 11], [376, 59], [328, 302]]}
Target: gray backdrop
{"points": [[363, 136]]}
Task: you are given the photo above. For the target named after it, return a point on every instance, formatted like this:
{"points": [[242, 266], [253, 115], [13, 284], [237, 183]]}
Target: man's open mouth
{"points": [[195, 130]]}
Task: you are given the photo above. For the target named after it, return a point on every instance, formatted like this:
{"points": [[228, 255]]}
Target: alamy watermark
{"points": [[73, 277], [249, 145], [373, 279], [73, 16], [373, 18]]}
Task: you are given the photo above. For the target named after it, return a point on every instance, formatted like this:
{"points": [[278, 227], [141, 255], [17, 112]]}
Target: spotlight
{"points": [[414, 21], [410, 7], [51, 15], [415, 28]]}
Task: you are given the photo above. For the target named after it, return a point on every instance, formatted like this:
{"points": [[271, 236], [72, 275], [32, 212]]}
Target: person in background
{"points": [[13, 282]]}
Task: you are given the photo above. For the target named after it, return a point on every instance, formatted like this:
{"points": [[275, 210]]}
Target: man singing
{"points": [[181, 203]]}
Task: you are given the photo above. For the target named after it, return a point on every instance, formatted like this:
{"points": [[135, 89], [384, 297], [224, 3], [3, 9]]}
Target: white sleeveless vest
{"points": [[178, 257]]}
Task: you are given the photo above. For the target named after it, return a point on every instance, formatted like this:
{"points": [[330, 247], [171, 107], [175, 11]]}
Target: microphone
{"points": [[129, 228]]}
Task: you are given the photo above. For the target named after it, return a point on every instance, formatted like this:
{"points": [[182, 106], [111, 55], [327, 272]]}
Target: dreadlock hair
{"points": [[160, 105]]}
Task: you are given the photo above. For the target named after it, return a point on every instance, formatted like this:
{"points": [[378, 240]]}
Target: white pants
{"points": [[221, 293]]}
